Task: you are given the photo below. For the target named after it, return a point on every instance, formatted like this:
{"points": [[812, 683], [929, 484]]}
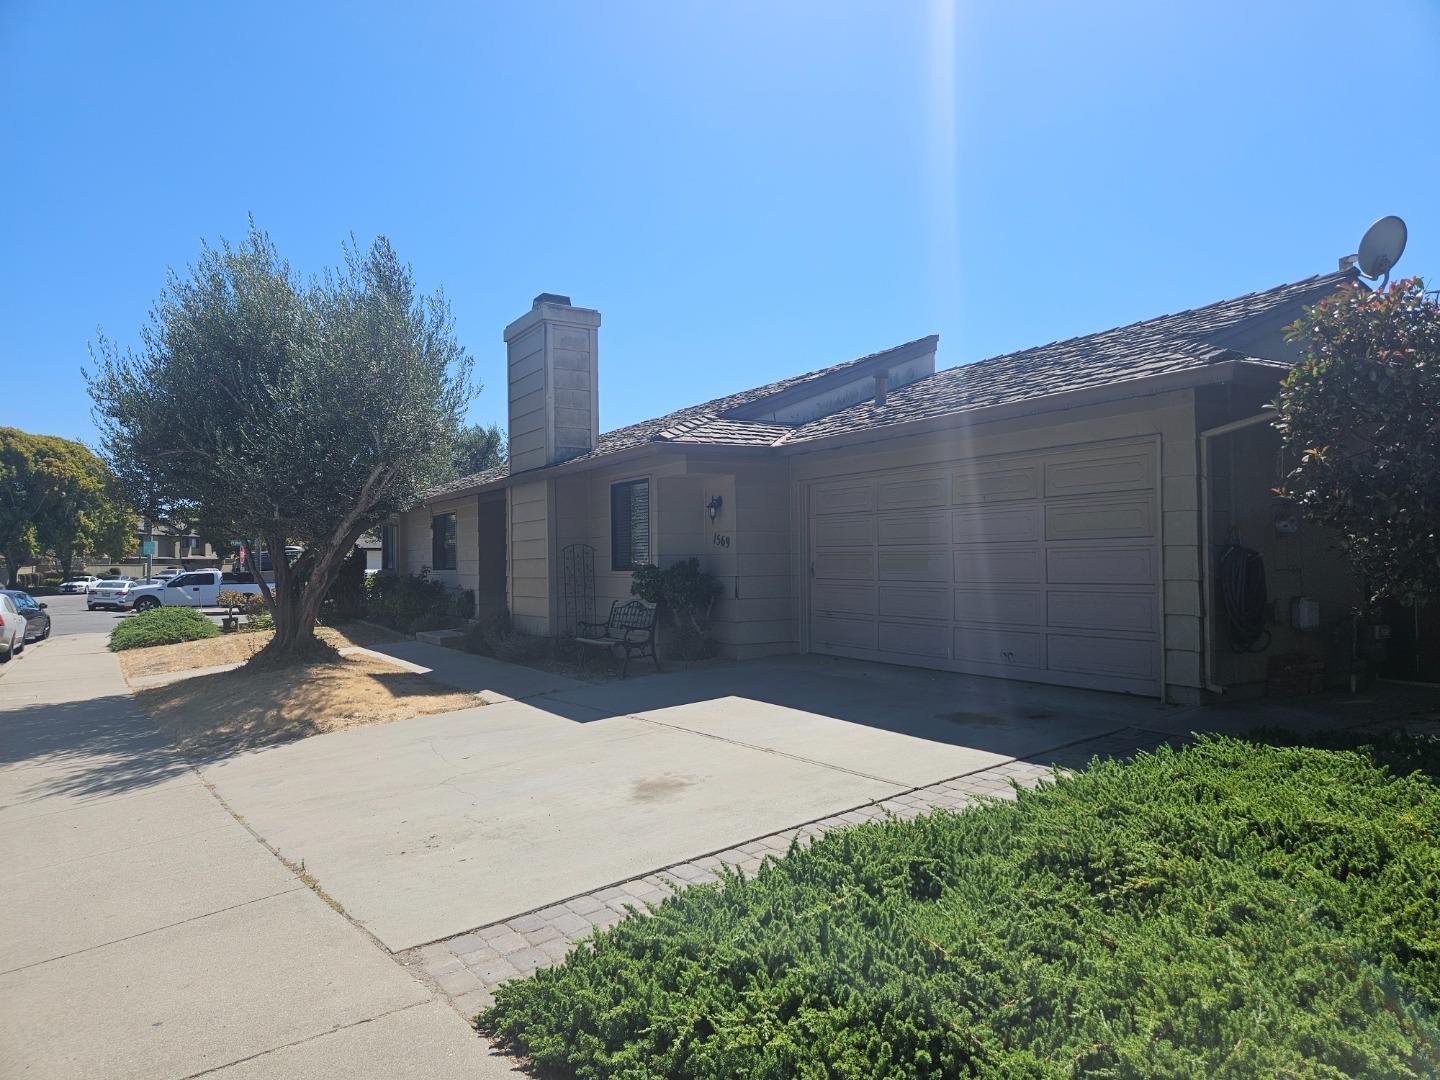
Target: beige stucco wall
{"points": [[414, 552]]}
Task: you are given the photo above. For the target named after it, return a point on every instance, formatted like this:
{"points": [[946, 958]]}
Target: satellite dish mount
{"points": [[1380, 249]]}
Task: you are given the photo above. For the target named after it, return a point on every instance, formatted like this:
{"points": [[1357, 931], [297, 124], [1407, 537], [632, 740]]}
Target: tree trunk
{"points": [[297, 601], [12, 567]]}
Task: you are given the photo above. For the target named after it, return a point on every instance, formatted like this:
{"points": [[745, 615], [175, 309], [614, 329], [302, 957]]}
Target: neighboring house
{"points": [[1050, 515], [374, 549], [172, 546]]}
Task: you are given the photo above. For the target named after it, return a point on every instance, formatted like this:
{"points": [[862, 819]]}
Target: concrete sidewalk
{"points": [[147, 933]]}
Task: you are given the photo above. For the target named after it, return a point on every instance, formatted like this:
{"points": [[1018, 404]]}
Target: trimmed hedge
{"points": [[161, 626], [1229, 910]]}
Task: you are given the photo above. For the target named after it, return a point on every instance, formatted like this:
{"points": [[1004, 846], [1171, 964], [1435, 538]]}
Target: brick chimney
{"points": [[552, 353]]}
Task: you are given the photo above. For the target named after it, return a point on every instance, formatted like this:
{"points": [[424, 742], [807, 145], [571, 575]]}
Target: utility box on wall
{"points": [[1305, 613]]}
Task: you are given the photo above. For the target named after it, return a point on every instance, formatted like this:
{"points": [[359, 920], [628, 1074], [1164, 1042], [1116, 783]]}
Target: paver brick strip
{"points": [[519, 946]]}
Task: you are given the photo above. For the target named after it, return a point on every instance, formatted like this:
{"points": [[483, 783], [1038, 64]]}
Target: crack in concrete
{"points": [[307, 1039], [152, 930]]}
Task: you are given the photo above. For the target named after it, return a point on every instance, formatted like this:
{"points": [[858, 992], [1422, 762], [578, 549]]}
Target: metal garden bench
{"points": [[631, 627]]}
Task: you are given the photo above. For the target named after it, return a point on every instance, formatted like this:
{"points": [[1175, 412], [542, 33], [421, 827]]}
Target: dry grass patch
{"points": [[232, 649], [234, 710]]}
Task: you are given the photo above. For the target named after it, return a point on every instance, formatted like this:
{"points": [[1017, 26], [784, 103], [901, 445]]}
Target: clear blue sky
{"points": [[744, 189]]}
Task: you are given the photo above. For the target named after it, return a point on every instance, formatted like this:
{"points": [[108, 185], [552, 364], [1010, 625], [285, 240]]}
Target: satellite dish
{"points": [[1382, 246]]}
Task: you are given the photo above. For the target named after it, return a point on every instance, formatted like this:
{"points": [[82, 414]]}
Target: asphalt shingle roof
{"points": [[1165, 345]]}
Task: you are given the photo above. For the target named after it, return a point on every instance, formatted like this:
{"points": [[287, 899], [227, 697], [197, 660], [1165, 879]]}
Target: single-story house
{"points": [[1052, 515]]}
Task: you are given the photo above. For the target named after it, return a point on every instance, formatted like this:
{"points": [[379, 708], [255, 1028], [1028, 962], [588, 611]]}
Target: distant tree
{"points": [[478, 448], [56, 496], [1362, 412], [292, 412]]}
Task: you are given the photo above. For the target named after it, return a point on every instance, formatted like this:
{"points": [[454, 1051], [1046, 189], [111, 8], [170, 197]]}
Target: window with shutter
{"points": [[629, 524], [443, 537]]}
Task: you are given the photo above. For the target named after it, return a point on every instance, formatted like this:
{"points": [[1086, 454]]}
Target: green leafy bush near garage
{"points": [[1230, 910], [161, 626]]}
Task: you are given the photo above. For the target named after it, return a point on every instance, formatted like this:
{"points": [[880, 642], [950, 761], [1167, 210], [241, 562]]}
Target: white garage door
{"points": [[1042, 567]]}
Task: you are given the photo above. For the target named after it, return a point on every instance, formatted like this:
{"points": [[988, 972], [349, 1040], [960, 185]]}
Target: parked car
{"points": [[267, 565], [37, 619], [12, 629], [109, 594], [198, 588], [78, 584], [168, 573]]}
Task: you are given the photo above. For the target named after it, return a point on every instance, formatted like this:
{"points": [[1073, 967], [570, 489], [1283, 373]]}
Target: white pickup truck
{"points": [[197, 588]]}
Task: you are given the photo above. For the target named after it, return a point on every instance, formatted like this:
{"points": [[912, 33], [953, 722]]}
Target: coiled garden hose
{"points": [[1242, 588]]}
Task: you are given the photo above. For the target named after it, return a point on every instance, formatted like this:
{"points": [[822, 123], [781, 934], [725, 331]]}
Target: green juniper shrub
{"points": [[161, 626], [1228, 910]]}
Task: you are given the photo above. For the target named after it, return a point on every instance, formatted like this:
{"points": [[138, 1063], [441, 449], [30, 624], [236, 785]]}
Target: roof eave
{"points": [[587, 464]]}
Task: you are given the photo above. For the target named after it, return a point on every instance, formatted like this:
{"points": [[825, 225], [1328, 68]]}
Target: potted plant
{"points": [[233, 602]]}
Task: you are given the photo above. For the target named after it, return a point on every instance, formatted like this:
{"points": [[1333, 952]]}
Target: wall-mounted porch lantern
{"points": [[714, 505]]}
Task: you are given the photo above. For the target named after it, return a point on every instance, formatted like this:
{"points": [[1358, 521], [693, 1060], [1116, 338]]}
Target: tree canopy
{"points": [[477, 448], [1362, 412], [57, 497], [293, 412]]}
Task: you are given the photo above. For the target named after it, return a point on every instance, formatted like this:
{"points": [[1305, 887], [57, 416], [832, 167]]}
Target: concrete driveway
{"points": [[428, 828]]}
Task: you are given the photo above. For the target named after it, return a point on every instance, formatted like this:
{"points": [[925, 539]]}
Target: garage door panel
{"points": [[996, 526], [931, 566], [832, 599], [844, 530], [1131, 658], [1100, 566], [908, 603], [915, 492], [844, 633], [1084, 473], [999, 484], [845, 565], [1011, 648], [842, 498], [913, 528], [1133, 612], [1104, 519], [1001, 566], [1037, 566], [914, 639], [1025, 607]]}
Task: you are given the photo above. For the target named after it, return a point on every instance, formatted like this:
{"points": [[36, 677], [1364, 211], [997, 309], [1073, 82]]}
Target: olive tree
{"points": [[293, 412], [1361, 415]]}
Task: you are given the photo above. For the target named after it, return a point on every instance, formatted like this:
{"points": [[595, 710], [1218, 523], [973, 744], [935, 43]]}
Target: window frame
{"points": [[451, 542], [630, 563]]}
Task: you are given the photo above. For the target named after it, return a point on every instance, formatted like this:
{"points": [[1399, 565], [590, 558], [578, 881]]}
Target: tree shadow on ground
{"points": [[216, 715], [81, 749]]}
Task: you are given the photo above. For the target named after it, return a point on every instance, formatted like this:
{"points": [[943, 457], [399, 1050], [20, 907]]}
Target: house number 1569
{"points": [[722, 540]]}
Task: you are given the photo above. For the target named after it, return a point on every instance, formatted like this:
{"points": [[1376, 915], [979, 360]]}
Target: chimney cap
{"points": [[551, 298]]}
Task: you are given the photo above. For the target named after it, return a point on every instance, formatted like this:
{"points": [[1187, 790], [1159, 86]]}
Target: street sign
{"points": [[147, 547]]}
